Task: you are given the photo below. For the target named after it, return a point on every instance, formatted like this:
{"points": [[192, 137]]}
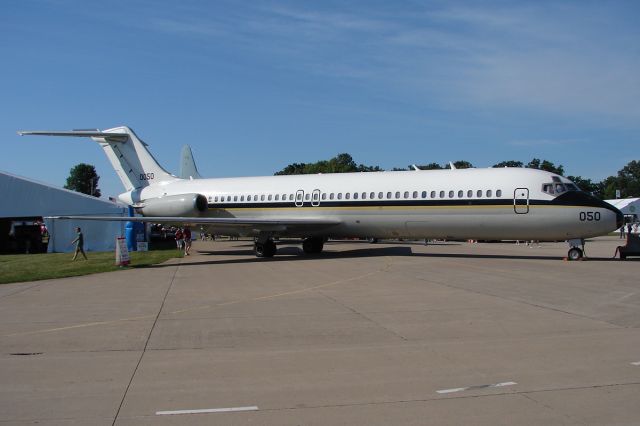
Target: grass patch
{"points": [[33, 267]]}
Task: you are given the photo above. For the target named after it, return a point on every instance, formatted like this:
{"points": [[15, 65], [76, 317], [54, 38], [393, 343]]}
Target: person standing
{"points": [[179, 239], [79, 242], [187, 240]]}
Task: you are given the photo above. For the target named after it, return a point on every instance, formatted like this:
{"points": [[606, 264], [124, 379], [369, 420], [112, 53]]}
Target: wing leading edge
{"points": [[221, 222]]}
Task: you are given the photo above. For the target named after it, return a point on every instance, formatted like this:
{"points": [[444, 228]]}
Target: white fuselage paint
{"points": [[457, 204]]}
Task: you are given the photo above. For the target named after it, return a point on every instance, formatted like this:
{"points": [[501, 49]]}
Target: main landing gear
{"points": [[313, 245], [266, 248]]}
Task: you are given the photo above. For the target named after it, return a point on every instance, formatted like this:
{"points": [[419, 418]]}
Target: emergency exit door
{"points": [[521, 200]]}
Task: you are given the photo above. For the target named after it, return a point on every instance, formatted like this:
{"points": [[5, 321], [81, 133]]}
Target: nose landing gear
{"points": [[576, 249]]}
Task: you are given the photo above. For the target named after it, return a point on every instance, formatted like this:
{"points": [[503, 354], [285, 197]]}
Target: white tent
{"points": [[628, 206], [26, 198]]}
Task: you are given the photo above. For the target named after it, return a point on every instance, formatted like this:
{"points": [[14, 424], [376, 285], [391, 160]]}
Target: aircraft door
{"points": [[521, 200], [315, 198], [299, 198]]}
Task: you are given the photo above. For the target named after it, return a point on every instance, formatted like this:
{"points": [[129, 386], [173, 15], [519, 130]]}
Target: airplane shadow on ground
{"points": [[292, 253]]}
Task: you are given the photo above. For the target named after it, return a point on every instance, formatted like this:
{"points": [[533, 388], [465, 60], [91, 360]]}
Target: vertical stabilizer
{"points": [[131, 159], [188, 169]]}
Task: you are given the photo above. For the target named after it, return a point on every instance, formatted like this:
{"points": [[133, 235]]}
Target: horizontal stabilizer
{"points": [[114, 137]]}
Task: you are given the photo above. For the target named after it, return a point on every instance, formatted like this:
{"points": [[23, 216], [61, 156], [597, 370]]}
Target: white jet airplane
{"points": [[480, 204]]}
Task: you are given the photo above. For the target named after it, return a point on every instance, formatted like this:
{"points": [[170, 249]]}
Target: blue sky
{"points": [[254, 86]]}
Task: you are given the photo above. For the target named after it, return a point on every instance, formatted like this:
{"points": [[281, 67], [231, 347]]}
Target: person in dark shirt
{"points": [[79, 242]]}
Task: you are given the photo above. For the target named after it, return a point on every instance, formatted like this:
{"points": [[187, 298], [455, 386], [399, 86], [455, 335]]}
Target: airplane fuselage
{"points": [[492, 204]]}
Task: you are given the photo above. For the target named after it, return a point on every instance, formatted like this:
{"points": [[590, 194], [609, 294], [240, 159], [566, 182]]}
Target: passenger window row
{"points": [[460, 194]]}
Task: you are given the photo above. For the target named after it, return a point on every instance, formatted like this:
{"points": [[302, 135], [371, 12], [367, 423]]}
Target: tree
{"points": [[546, 165], [510, 163], [587, 185], [341, 163], [627, 181], [431, 166], [83, 178], [461, 164]]}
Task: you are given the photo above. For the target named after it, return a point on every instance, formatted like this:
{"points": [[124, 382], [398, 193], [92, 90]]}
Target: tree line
{"points": [[627, 180]]}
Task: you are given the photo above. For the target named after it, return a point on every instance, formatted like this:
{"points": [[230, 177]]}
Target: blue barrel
{"points": [[130, 235]]}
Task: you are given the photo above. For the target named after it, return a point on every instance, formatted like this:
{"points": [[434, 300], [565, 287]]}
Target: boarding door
{"points": [[521, 200], [299, 198], [315, 198]]}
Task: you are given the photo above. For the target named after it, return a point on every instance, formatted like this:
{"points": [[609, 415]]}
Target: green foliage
{"points": [[341, 163], [627, 181], [431, 166], [461, 164], [587, 185], [510, 163], [83, 178], [546, 165]]}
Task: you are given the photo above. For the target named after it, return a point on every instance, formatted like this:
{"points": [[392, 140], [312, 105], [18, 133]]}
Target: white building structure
{"points": [[24, 199], [630, 207]]}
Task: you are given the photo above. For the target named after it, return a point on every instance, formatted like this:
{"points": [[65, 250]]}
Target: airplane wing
{"points": [[114, 137], [255, 224]]}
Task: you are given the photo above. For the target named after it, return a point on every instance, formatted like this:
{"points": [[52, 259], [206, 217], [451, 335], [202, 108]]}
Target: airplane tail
{"points": [[129, 156], [188, 169]]}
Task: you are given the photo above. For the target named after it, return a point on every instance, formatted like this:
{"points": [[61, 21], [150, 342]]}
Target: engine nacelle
{"points": [[183, 205]]}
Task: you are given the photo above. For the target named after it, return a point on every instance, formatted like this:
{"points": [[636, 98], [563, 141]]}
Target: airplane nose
{"points": [[619, 219]]}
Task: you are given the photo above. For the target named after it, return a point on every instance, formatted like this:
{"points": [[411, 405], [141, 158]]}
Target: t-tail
{"points": [[129, 156]]}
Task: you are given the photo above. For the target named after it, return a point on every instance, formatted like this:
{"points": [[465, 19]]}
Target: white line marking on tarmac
{"points": [[495, 385], [635, 363], [207, 410]]}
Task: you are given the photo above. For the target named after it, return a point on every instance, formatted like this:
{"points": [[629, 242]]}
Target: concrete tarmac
{"points": [[393, 333]]}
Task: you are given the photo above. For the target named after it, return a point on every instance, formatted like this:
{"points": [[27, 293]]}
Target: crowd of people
{"points": [[628, 229]]}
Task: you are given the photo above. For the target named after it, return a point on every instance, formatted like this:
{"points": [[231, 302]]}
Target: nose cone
{"points": [[619, 218]]}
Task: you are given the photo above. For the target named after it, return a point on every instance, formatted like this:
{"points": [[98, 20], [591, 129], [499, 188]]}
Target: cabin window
{"points": [[372, 195], [424, 194], [397, 194], [488, 193], [347, 195], [215, 199], [339, 196], [242, 198], [469, 194], [331, 196], [460, 194], [451, 193], [277, 197], [364, 196], [290, 197], [406, 194], [248, 197], [560, 188], [262, 197], [316, 196], [441, 194], [433, 194], [388, 195], [355, 195], [499, 193], [228, 197], [324, 195], [269, 197], [479, 193], [307, 196]]}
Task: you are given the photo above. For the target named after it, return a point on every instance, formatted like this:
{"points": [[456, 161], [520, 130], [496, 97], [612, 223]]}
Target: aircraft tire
{"points": [[266, 249], [313, 245], [574, 254]]}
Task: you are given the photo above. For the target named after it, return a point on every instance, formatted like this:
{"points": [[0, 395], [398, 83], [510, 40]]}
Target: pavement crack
{"points": [[146, 344]]}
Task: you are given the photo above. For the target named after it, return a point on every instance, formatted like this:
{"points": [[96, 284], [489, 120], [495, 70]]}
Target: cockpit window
{"points": [[572, 187], [548, 188]]}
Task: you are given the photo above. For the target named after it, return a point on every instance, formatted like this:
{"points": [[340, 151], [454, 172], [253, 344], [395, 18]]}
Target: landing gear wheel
{"points": [[313, 245], [266, 249], [372, 240], [574, 254]]}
